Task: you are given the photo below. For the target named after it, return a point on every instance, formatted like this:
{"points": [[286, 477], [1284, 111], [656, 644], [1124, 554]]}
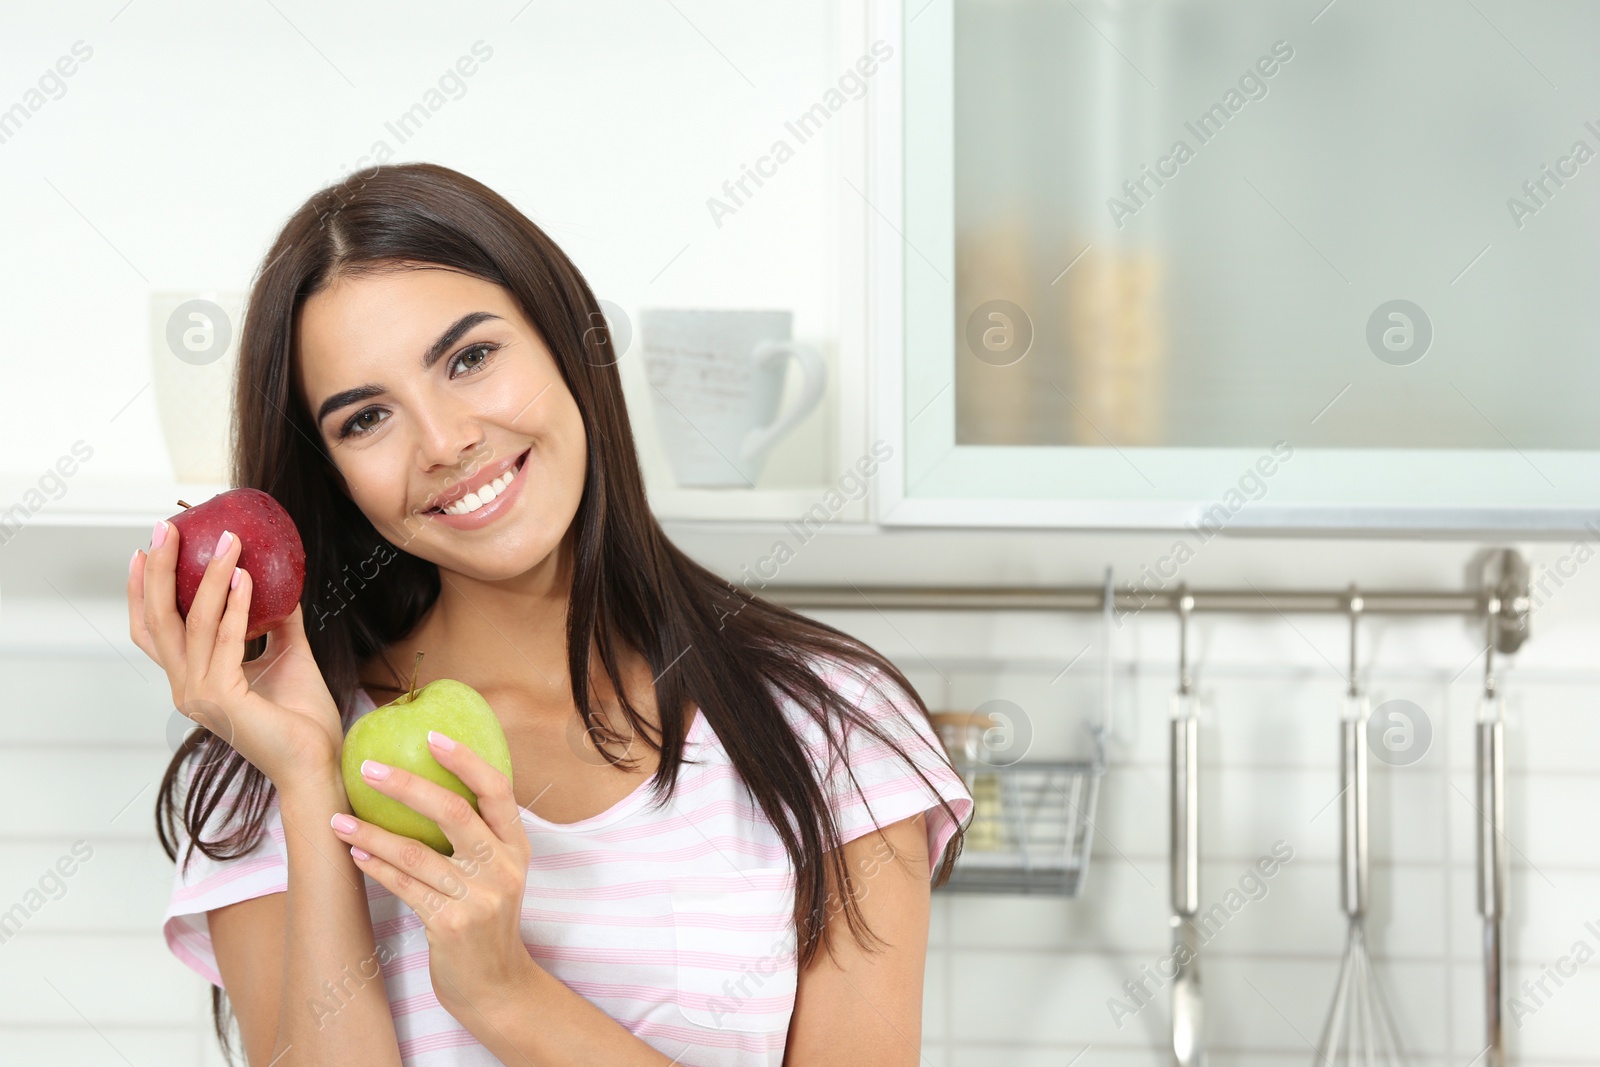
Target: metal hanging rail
{"points": [[1505, 593], [1086, 598]]}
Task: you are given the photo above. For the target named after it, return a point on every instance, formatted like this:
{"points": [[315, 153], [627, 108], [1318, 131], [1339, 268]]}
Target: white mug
{"points": [[716, 379]]}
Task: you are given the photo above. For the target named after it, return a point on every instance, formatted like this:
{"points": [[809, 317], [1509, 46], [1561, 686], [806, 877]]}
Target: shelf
{"points": [[749, 505], [99, 502], [132, 503]]}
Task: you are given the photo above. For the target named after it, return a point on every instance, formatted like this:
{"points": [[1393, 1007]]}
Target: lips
{"points": [[478, 480]]}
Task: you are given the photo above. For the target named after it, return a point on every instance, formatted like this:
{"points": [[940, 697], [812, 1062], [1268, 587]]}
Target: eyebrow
{"points": [[436, 350]]}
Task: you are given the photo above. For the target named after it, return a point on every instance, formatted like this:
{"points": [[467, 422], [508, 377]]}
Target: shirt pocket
{"points": [[734, 944]]}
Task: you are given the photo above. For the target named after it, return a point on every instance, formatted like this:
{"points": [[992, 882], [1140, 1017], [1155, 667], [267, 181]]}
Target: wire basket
{"points": [[1032, 824], [1031, 829]]}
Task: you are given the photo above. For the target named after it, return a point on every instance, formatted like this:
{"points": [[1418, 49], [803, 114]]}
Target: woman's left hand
{"points": [[470, 903]]}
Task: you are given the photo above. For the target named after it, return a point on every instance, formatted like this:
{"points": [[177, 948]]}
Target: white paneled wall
{"points": [[1010, 980], [88, 978]]}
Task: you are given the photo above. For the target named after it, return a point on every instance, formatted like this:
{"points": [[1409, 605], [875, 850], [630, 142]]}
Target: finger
{"points": [[497, 804], [407, 868], [290, 633], [158, 578], [423, 900], [452, 811], [206, 612], [227, 656], [137, 629], [285, 639]]}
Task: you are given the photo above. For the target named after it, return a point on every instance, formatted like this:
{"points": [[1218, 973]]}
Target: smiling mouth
{"points": [[484, 494]]}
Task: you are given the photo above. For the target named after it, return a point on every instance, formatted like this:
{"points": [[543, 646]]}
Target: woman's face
{"points": [[427, 383]]}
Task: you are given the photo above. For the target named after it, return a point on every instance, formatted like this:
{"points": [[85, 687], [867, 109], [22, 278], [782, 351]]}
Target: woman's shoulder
{"points": [[889, 769], [865, 687], [871, 714]]}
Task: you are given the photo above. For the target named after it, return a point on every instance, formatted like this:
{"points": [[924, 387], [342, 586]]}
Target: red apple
{"points": [[271, 554]]}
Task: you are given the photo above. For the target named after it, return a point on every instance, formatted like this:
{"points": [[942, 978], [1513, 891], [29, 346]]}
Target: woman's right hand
{"points": [[275, 711]]}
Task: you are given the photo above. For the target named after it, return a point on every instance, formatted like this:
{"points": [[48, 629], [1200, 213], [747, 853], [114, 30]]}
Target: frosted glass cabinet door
{"points": [[1288, 268]]}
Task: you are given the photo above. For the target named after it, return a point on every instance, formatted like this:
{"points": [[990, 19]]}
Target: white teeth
{"points": [[475, 500]]}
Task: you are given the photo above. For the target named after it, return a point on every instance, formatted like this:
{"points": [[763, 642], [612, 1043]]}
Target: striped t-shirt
{"points": [[675, 921]]}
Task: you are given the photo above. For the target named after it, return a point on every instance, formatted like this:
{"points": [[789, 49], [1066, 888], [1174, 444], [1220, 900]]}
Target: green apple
{"points": [[397, 734]]}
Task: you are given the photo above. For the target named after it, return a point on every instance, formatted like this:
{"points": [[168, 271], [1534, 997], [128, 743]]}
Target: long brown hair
{"points": [[630, 585]]}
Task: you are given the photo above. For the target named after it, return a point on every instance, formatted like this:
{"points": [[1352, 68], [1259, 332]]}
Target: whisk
{"points": [[1360, 1028]]}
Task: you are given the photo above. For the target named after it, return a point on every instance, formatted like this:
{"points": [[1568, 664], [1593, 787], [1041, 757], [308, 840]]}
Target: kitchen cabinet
{"points": [[626, 156], [1233, 265], [1129, 265]]}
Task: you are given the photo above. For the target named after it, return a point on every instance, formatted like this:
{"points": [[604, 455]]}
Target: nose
{"points": [[447, 434]]}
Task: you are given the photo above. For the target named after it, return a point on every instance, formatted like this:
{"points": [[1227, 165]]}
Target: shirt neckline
{"points": [[621, 808]]}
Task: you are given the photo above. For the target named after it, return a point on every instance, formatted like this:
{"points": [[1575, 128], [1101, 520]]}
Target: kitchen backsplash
{"points": [[1010, 980], [1036, 980]]}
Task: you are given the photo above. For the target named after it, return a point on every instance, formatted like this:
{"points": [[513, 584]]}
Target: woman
{"points": [[707, 790]]}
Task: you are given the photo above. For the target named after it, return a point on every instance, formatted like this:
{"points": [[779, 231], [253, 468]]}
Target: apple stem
{"points": [[185, 503], [415, 667]]}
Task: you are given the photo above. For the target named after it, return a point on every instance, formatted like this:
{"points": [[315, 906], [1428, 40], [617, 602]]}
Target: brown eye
{"points": [[355, 427], [485, 349]]}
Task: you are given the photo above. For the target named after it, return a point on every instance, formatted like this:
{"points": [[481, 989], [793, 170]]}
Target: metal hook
{"points": [[1356, 604], [1102, 731], [1185, 605], [1492, 626]]}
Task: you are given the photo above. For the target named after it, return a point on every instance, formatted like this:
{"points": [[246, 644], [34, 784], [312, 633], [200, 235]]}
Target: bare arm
{"points": [[866, 1007], [328, 933], [543, 1023], [248, 940], [276, 953]]}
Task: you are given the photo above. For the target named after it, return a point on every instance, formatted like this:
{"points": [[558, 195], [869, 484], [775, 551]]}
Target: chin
{"points": [[524, 549]]}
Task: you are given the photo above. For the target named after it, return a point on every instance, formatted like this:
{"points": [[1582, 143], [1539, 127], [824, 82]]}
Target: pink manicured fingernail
{"points": [[436, 738], [233, 583], [371, 768], [343, 823], [159, 534], [222, 543], [360, 853], [132, 560]]}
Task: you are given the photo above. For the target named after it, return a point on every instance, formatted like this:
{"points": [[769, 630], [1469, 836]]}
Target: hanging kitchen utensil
{"points": [[1359, 1028], [1492, 856], [1188, 1016]]}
